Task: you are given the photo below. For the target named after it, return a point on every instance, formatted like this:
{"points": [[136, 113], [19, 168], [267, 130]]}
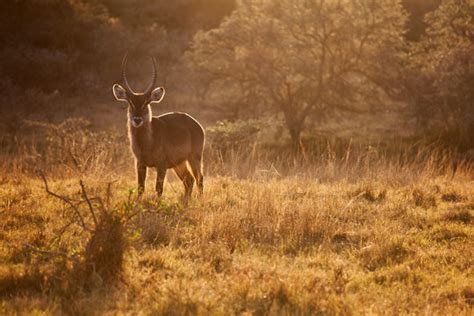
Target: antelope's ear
{"points": [[157, 95], [119, 92]]}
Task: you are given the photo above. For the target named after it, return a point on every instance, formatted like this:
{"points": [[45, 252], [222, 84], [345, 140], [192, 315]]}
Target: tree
{"points": [[185, 15], [304, 57], [444, 65], [47, 44]]}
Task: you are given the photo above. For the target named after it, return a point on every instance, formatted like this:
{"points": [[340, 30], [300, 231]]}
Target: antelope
{"points": [[170, 141]]}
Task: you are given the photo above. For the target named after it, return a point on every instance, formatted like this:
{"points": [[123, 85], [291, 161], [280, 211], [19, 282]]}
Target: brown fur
{"points": [[171, 140]]}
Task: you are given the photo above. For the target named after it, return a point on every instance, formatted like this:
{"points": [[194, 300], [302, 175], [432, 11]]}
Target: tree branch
{"points": [[91, 209], [52, 253]]}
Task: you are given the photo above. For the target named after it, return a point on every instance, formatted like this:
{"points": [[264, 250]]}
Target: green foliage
{"points": [[227, 134]]}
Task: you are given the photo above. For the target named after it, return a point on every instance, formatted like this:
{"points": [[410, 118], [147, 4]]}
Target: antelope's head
{"points": [[139, 111]]}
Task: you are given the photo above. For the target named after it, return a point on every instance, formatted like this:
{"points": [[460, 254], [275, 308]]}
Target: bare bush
{"points": [[70, 147]]}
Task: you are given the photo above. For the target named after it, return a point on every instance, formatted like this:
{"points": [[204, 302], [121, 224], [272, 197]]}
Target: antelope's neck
{"points": [[140, 139]]}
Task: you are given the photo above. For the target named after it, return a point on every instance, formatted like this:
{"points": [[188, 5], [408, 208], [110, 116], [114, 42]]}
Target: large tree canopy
{"points": [[304, 57]]}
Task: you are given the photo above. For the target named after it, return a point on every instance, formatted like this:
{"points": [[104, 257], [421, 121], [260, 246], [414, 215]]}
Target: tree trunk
{"points": [[295, 126], [296, 145]]}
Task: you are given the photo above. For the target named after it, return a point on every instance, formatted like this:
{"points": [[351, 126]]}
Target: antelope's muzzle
{"points": [[137, 121]]}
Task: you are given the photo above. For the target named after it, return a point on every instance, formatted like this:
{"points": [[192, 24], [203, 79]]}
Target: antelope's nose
{"points": [[137, 120]]}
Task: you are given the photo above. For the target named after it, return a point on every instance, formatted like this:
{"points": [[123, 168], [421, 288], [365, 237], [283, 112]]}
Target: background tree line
{"points": [[300, 62]]}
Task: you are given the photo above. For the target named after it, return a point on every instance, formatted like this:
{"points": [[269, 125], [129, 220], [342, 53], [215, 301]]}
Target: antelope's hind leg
{"points": [[160, 179], [196, 167], [188, 180]]}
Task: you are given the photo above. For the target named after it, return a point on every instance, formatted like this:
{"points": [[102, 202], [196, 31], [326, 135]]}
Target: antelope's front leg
{"points": [[160, 178], [141, 177]]}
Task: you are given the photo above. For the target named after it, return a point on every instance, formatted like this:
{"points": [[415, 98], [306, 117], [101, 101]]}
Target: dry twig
{"points": [[67, 201]]}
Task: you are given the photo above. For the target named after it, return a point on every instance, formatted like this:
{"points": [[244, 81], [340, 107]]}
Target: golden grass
{"points": [[395, 240], [342, 229]]}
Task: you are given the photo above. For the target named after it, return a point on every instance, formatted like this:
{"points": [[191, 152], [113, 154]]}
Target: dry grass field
{"points": [[338, 157], [363, 234]]}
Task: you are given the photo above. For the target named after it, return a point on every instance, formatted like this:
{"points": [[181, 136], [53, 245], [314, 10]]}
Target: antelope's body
{"points": [[169, 141]]}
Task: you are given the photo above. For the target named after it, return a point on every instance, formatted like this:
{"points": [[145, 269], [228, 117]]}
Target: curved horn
{"points": [[124, 73], [153, 80]]}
